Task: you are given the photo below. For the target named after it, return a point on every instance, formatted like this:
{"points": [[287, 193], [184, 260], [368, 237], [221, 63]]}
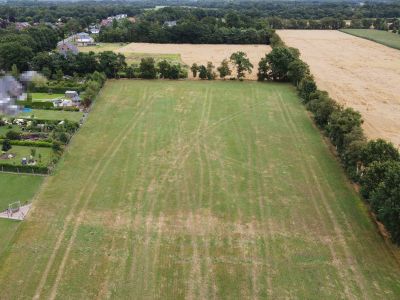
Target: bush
{"points": [[6, 145], [13, 135]]}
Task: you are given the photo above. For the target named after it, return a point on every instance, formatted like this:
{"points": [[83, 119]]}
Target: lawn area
{"points": [[45, 96], [382, 37], [6, 128], [131, 57], [14, 188], [25, 151], [198, 190], [52, 115]]}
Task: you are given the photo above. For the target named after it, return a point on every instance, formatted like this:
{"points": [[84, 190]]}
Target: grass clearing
{"points": [[386, 38], [201, 190], [52, 115], [44, 97], [14, 187], [25, 151]]}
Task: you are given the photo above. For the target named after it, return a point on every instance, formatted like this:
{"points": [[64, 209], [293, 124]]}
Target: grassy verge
{"points": [[382, 37]]}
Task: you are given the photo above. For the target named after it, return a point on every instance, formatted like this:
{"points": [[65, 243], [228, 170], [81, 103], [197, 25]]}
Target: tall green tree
{"points": [[224, 69], [242, 63]]}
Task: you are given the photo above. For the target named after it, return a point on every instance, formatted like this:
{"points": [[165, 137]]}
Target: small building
{"points": [[22, 25], [65, 48], [73, 96], [84, 39]]}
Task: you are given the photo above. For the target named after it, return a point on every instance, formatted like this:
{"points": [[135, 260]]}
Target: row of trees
{"points": [[239, 61], [149, 69], [374, 164], [185, 31], [87, 12]]}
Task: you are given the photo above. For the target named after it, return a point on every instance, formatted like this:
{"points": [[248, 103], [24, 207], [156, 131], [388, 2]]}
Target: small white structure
{"points": [[73, 96]]}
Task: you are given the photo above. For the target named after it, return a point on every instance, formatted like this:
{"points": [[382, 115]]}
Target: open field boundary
{"points": [[360, 158], [385, 38]]}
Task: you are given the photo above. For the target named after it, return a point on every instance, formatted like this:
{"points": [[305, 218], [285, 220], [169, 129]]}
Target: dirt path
{"points": [[203, 53], [357, 73]]}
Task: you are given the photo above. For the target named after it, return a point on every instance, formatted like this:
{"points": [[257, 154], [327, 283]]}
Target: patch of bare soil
{"points": [[357, 73], [202, 53]]}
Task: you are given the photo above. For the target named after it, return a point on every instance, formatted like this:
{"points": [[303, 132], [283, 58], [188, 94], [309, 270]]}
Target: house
{"points": [[65, 48], [94, 30], [73, 96], [22, 25], [83, 39], [170, 23], [109, 20]]}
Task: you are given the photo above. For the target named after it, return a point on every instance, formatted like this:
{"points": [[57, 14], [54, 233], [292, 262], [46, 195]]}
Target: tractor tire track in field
{"points": [[86, 201], [341, 271], [72, 213], [337, 229], [104, 286]]}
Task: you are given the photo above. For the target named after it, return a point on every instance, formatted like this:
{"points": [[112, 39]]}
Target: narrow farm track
{"points": [[198, 190]]}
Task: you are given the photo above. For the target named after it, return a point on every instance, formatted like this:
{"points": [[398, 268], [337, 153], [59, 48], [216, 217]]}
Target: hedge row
{"points": [[5, 167], [57, 89], [37, 104], [40, 144], [374, 164]]}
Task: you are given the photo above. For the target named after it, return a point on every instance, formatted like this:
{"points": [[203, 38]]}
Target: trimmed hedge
{"points": [[39, 144], [37, 104], [5, 167]]}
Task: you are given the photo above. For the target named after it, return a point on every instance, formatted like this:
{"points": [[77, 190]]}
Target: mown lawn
{"points": [[199, 190], [45, 96], [14, 188], [382, 37], [52, 115]]}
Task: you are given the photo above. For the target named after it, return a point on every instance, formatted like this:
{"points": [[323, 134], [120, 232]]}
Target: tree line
{"points": [[88, 12], [19, 47], [374, 164]]}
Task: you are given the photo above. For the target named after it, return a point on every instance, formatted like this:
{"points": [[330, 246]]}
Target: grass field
{"points": [[131, 56], [45, 96], [52, 115], [382, 37], [14, 188], [198, 190]]}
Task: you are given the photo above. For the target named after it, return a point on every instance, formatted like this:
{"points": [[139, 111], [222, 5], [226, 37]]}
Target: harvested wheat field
{"points": [[201, 53], [357, 73]]}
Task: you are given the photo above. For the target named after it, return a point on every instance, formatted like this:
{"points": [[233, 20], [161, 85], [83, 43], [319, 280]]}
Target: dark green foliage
{"points": [[202, 72], [307, 87], [194, 68], [242, 63], [147, 68], [379, 150], [224, 69], [13, 135], [342, 122], [6, 145], [275, 65]]}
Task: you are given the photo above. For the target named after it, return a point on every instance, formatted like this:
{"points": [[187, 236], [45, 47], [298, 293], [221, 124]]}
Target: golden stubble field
{"points": [[357, 73]]}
